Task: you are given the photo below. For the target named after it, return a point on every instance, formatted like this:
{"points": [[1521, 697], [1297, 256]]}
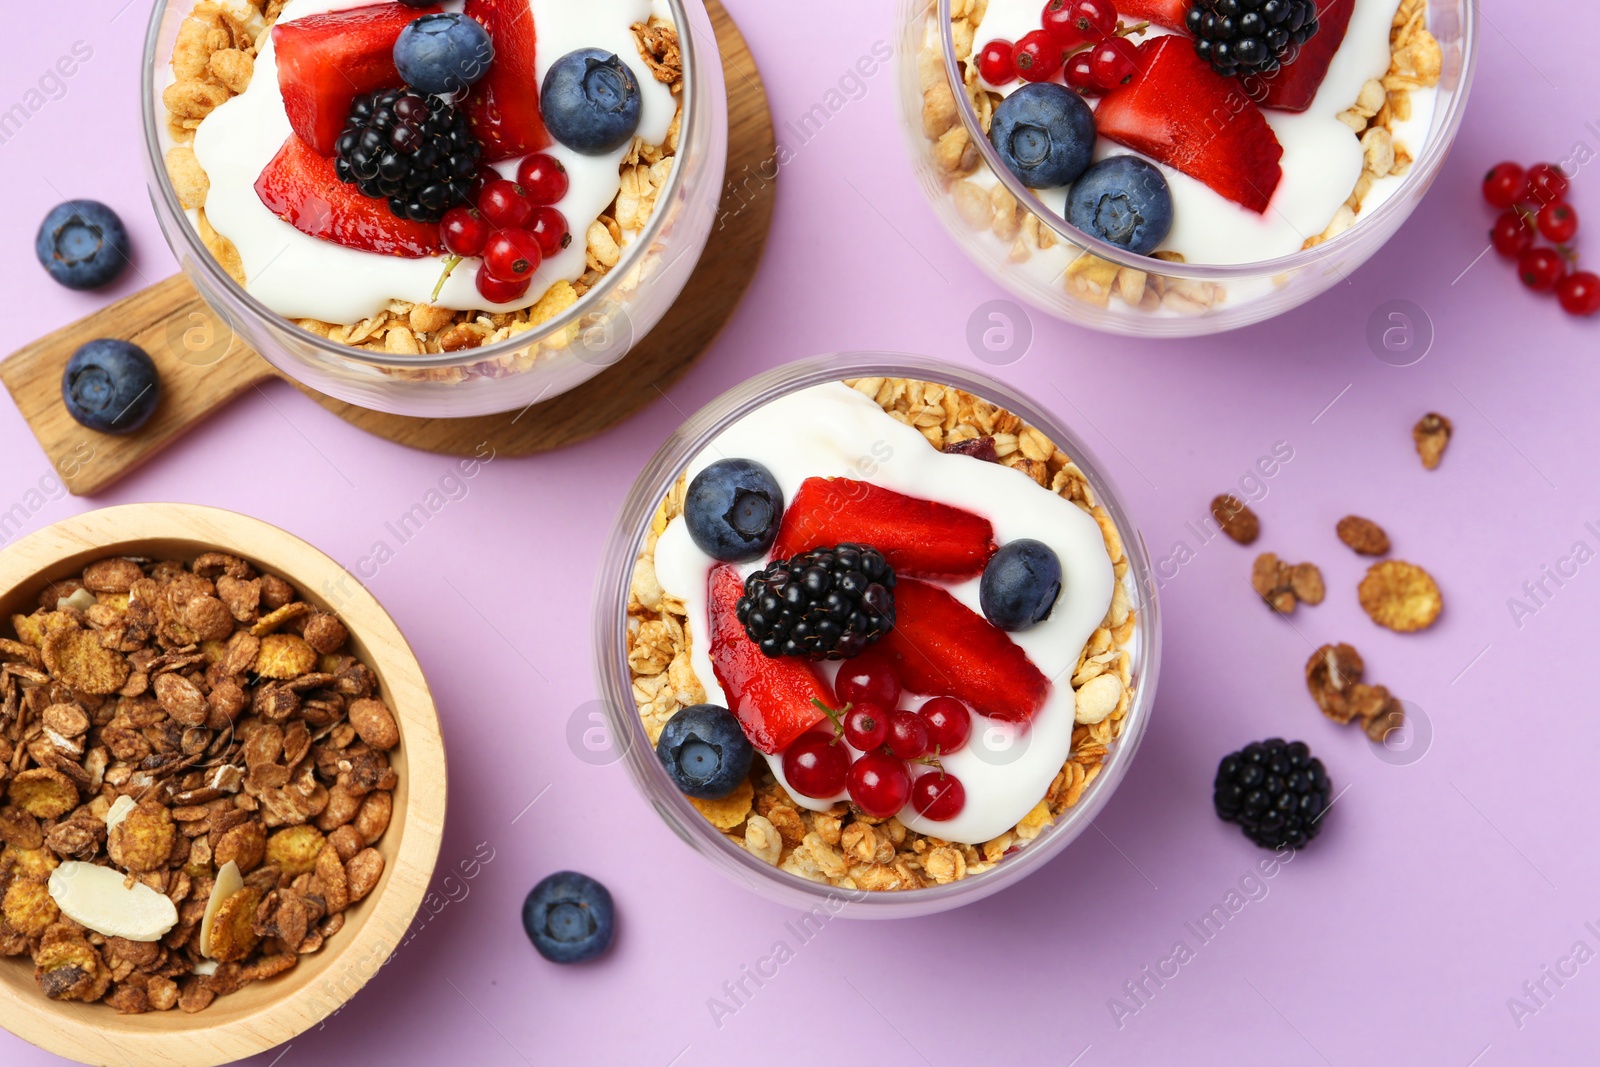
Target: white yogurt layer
{"points": [[300, 276], [1322, 157], [832, 430]]}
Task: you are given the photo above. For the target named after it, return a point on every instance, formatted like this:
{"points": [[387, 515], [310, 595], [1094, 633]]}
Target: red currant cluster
{"points": [[1534, 203], [879, 780], [514, 226], [1082, 36]]}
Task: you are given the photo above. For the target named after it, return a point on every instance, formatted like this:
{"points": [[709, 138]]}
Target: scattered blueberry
{"points": [[733, 508], [111, 386], [569, 917], [1124, 201], [1045, 134], [443, 53], [590, 101], [705, 751], [1020, 585], [82, 244]]}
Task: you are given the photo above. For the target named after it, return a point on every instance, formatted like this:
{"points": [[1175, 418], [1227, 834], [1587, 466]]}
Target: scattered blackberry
{"points": [[1275, 790], [416, 152], [1250, 36], [829, 603]]}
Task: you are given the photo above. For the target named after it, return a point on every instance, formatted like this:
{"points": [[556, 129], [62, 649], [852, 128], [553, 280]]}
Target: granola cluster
{"points": [[842, 846], [184, 726], [1416, 63], [213, 61]]}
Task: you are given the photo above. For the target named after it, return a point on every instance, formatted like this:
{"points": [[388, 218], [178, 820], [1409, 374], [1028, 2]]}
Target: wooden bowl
{"points": [[270, 1012]]}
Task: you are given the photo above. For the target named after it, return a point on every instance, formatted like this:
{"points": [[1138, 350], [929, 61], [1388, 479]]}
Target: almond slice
{"points": [[229, 882], [99, 898], [119, 811]]}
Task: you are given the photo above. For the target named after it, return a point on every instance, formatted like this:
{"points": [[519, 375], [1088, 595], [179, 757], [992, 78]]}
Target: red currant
{"points": [[496, 291], [866, 726], [1060, 21], [549, 227], [1511, 234], [481, 179], [868, 678], [505, 204], [995, 63], [1036, 57], [949, 723], [512, 255], [1505, 184], [879, 784], [908, 734], [815, 765], [1096, 18], [1579, 293], [464, 231], [1112, 62], [1080, 74], [1558, 222], [938, 796], [1541, 269], [543, 178], [1546, 183]]}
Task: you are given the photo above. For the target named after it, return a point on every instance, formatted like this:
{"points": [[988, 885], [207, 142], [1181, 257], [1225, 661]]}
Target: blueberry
{"points": [[569, 917], [1044, 133], [590, 101], [82, 244], [111, 386], [705, 751], [1020, 584], [733, 508], [443, 53], [1124, 201]]}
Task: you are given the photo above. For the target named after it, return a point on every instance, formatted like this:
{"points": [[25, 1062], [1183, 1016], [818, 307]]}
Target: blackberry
{"points": [[1250, 36], [829, 603], [1275, 790], [417, 152]]}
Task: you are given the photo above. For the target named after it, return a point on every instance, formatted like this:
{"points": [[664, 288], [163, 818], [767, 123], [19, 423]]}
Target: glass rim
{"points": [[160, 182], [611, 619], [1423, 170]]}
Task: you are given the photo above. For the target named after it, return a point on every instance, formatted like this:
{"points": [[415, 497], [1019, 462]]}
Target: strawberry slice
{"points": [[325, 61], [1295, 86], [1181, 112], [299, 186], [772, 698], [1168, 13], [939, 645], [915, 536], [504, 106]]}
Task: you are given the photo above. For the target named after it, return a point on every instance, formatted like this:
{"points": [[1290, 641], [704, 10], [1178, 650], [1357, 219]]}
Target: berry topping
{"points": [[828, 603], [591, 101], [1071, 23], [1167, 111], [549, 228], [1037, 57], [111, 386], [917, 537], [1276, 792], [1558, 222], [1020, 585], [1302, 71], [82, 244], [300, 187], [1112, 62], [732, 510], [939, 645], [1511, 234], [774, 699], [503, 107], [1123, 200], [1169, 13], [1541, 268], [949, 724], [705, 751], [866, 726], [496, 291], [816, 765], [415, 152], [938, 795], [908, 735], [443, 53], [327, 60], [1546, 183], [512, 255], [1579, 293], [569, 917], [868, 679], [1079, 74], [1044, 134], [543, 178], [995, 63], [465, 231], [1249, 36], [879, 784], [505, 204], [1505, 184]]}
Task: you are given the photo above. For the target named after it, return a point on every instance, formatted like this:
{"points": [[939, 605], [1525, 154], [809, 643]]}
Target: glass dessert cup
{"points": [[1197, 299], [615, 678], [538, 364]]}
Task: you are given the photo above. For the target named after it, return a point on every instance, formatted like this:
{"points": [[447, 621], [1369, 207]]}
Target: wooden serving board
{"points": [[200, 373]]}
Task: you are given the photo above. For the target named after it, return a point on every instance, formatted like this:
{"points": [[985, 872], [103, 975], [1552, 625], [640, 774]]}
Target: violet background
{"points": [[1440, 885]]}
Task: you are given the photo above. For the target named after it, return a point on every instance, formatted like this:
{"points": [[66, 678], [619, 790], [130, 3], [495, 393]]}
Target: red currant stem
{"points": [[835, 715], [450, 264], [931, 761], [1568, 253], [1120, 31]]}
